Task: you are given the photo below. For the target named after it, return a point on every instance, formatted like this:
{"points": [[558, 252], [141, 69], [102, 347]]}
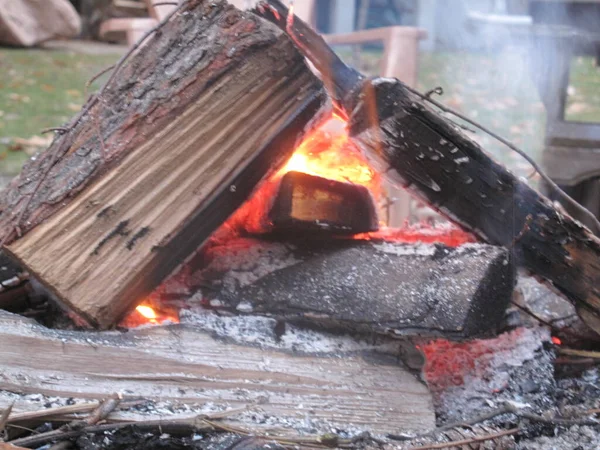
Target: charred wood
{"points": [[429, 155]]}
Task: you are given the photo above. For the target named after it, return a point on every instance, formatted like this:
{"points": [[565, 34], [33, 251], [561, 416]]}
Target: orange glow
{"points": [[328, 153], [147, 312], [556, 341]]}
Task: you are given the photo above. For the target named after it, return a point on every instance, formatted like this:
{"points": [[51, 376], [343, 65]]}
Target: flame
{"points": [[147, 312], [556, 341], [329, 153]]}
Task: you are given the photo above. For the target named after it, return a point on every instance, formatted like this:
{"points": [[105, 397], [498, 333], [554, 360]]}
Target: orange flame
{"points": [[329, 153], [147, 312]]}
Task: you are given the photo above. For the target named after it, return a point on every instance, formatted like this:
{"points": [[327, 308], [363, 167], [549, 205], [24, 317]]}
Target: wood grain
{"points": [[184, 365]]}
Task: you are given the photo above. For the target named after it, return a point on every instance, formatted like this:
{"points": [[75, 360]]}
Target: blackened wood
{"points": [[306, 203], [188, 127], [429, 155], [360, 286]]}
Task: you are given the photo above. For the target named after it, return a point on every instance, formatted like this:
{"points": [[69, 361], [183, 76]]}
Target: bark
{"points": [[173, 145]]}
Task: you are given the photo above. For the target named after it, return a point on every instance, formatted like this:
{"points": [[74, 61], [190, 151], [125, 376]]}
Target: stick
{"points": [[52, 412], [4, 417], [580, 353], [489, 437]]}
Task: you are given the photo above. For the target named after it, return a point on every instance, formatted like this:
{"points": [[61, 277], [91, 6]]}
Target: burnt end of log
{"points": [[307, 203], [398, 289]]}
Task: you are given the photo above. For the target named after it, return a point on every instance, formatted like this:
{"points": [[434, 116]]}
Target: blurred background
{"points": [[527, 69]]}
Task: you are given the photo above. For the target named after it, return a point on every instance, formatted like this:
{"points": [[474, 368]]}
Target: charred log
{"points": [[366, 287], [429, 155]]}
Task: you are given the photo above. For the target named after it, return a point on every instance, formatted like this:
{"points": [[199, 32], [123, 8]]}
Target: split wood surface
{"points": [[184, 365], [159, 159]]}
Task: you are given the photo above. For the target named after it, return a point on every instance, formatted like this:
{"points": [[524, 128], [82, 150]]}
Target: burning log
{"points": [[429, 155], [159, 158], [360, 389], [366, 287]]}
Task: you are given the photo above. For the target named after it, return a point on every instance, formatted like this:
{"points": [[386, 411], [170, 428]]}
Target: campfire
{"points": [[207, 251]]}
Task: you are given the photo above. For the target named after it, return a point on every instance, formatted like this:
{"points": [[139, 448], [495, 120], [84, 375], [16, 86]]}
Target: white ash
{"points": [[574, 438], [522, 374], [260, 331], [244, 261], [406, 250]]}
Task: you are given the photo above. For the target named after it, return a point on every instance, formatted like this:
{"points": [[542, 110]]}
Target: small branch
{"points": [[59, 130], [95, 77], [489, 437], [580, 353], [104, 410], [52, 412], [4, 415]]}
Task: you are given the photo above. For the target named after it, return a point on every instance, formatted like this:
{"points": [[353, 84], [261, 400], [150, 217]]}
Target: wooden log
{"points": [[183, 365], [429, 155], [176, 142], [365, 287], [306, 203]]}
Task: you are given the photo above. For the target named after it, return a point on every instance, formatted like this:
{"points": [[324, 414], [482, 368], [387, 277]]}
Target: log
{"points": [[430, 156], [159, 159], [183, 365], [363, 287]]}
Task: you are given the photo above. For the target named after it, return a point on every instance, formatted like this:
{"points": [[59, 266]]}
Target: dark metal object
{"points": [[310, 203]]}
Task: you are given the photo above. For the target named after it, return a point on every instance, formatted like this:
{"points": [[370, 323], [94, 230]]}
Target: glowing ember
{"points": [[556, 341], [329, 153], [147, 312]]}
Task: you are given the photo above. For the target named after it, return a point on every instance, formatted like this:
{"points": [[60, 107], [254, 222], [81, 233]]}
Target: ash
{"points": [[269, 333]]}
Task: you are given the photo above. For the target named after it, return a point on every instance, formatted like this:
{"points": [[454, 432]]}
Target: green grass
{"points": [[40, 89], [583, 102]]}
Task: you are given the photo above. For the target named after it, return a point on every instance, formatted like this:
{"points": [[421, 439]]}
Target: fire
{"points": [[328, 153], [556, 341], [147, 312]]}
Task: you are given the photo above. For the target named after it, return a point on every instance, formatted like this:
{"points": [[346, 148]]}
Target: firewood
{"points": [[367, 287], [172, 145], [431, 157], [309, 203], [184, 365]]}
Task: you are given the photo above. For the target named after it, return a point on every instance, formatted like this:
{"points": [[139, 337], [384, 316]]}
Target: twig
{"points": [[489, 437], [60, 130], [52, 412], [164, 425], [438, 90], [104, 410], [95, 77], [165, 4], [580, 353], [4, 417], [555, 188]]}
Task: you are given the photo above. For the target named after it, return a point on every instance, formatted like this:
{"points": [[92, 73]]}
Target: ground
{"points": [[44, 88]]}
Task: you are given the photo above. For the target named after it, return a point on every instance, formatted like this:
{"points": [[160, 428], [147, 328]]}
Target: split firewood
{"points": [[429, 155], [184, 365], [171, 146]]}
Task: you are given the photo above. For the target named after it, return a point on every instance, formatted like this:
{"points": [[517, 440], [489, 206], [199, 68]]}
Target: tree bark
{"points": [[173, 145]]}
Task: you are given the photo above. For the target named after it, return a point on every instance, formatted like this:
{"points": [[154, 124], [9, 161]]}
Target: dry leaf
{"points": [[74, 93], [74, 107]]}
